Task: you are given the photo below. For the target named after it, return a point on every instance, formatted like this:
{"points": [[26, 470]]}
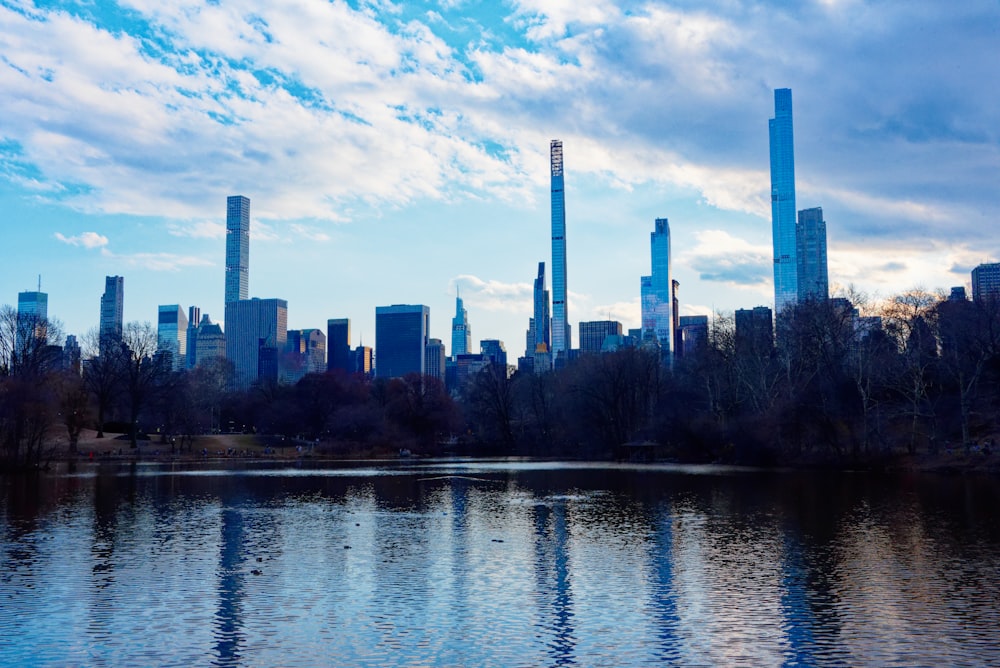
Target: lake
{"points": [[495, 563]]}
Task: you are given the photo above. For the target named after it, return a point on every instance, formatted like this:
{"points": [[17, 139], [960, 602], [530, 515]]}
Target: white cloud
{"points": [[87, 239], [204, 229]]}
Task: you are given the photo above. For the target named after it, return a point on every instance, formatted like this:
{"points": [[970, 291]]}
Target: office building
{"points": [[434, 359], [171, 335], [986, 282], [755, 330], [657, 289], [364, 360], [32, 318], [810, 254], [211, 342], [539, 336], [693, 334], [783, 227], [495, 351], [305, 352], [593, 334], [112, 310], [72, 355], [194, 319], [338, 344], [461, 333], [237, 249], [256, 330], [401, 339], [562, 339]]}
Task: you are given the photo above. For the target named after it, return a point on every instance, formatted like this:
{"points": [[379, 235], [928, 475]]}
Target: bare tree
{"points": [[143, 372], [102, 374]]}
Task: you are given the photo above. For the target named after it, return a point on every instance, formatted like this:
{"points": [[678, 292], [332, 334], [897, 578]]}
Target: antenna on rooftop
{"points": [[39, 282]]}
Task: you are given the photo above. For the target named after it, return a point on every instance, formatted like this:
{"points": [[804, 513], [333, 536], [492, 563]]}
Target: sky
{"points": [[398, 152]]}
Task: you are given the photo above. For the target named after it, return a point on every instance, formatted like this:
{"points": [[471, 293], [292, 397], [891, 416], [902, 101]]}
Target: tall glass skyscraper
{"points": [[401, 339], [813, 276], [562, 339], [542, 319], [237, 248], [171, 334], [461, 333], [32, 317], [112, 309], [256, 331], [783, 201], [660, 289]]}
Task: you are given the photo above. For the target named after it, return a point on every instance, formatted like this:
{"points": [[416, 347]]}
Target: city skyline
{"points": [[420, 166]]}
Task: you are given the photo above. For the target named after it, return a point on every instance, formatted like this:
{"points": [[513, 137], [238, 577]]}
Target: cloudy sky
{"points": [[395, 152]]}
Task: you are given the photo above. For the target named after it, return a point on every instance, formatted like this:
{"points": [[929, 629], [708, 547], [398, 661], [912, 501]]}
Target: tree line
{"points": [[826, 385]]}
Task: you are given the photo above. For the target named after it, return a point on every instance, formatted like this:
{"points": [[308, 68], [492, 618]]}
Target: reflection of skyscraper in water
{"points": [[552, 576], [228, 624]]}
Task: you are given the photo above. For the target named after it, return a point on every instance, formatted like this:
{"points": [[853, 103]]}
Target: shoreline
{"points": [[251, 447]]}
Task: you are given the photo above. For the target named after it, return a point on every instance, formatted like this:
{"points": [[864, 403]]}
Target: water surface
{"points": [[505, 563]]}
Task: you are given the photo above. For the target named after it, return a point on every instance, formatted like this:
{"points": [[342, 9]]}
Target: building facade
{"points": [[755, 330], [435, 358], [112, 309], [194, 319], [461, 332], [401, 333], [338, 344], [256, 331], [562, 339], [810, 255], [540, 324], [211, 342], [783, 227], [171, 335], [693, 334], [495, 351], [32, 317], [237, 248], [986, 282], [594, 332]]}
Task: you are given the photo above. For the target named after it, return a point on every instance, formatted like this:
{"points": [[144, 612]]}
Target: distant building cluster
{"points": [[256, 342]]}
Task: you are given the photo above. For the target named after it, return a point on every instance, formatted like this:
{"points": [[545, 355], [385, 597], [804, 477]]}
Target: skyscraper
{"points": [[211, 342], [338, 345], [401, 339], [810, 252], [32, 317], [594, 332], [256, 330], [783, 201], [194, 318], [986, 282], [434, 359], [542, 319], [112, 309], [237, 248], [647, 302], [660, 287], [562, 339], [461, 332], [171, 335], [495, 350]]}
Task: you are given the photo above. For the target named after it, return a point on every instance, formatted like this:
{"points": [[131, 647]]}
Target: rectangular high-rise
{"points": [[401, 339], [661, 288], [112, 310], [237, 248], [338, 345], [593, 334], [32, 317], [986, 282], [171, 335], [810, 253], [542, 319], [461, 332], [783, 228], [256, 330], [562, 339]]}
